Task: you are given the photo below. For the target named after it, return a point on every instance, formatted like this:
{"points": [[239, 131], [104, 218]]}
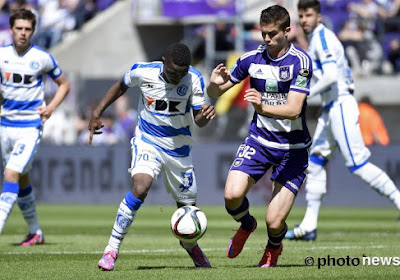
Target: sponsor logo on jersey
{"points": [[292, 185], [149, 100], [301, 81], [233, 67], [327, 53], [271, 85], [16, 78], [146, 85], [166, 106], [259, 74]]}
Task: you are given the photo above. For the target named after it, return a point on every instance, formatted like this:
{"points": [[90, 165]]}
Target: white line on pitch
{"points": [[146, 251]]}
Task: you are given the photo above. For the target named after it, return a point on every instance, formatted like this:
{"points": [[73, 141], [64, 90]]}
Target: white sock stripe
{"points": [[240, 215]]}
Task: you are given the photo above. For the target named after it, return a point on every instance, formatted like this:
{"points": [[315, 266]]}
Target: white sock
{"points": [[395, 197], [7, 200], [310, 219], [315, 190], [377, 179], [123, 220], [27, 205]]}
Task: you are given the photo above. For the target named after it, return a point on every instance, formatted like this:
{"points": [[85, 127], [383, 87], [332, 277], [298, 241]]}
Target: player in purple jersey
{"points": [[278, 138], [338, 125]]}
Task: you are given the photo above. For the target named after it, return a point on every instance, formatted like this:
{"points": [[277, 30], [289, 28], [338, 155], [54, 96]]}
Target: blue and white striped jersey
{"points": [[22, 84], [325, 48], [274, 78], [165, 117]]}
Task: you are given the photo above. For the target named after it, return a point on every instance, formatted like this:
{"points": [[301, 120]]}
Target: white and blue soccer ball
{"points": [[188, 223]]}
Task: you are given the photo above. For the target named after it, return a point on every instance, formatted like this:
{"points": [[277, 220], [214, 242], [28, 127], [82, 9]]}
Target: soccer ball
{"points": [[188, 223]]}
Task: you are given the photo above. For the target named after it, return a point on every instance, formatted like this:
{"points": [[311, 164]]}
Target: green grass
{"points": [[77, 234]]}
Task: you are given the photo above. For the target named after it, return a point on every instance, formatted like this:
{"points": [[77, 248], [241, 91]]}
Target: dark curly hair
{"points": [[179, 54]]}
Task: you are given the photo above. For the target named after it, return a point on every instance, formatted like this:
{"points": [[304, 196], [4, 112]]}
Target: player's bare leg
{"points": [[278, 210], [315, 190], [237, 205]]}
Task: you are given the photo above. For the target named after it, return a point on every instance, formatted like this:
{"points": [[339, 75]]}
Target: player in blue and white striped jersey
{"points": [[171, 100], [338, 126], [23, 69], [280, 75]]}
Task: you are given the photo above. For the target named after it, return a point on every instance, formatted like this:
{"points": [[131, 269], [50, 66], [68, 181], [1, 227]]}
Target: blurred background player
{"points": [[280, 75], [23, 69], [373, 129], [171, 92], [338, 125]]}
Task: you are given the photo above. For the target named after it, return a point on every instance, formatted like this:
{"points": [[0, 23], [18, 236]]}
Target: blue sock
{"points": [[11, 187], [25, 192], [132, 202]]}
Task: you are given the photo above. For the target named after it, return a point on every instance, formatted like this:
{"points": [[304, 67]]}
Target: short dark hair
{"points": [[306, 4], [179, 54], [23, 14], [277, 15]]}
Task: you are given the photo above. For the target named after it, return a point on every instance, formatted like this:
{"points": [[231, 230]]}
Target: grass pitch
{"points": [[77, 234]]}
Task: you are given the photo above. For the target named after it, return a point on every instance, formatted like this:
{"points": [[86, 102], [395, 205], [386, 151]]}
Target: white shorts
{"points": [[178, 172], [18, 146], [338, 127]]}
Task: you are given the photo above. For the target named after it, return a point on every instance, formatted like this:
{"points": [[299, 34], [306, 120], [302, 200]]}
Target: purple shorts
{"points": [[289, 166]]}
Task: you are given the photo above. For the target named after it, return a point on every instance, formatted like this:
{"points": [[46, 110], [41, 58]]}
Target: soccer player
{"points": [[280, 75], [24, 68], [338, 125], [172, 97]]}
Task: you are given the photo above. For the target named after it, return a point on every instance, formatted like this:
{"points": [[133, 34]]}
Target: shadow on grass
{"points": [[167, 267], [45, 244]]}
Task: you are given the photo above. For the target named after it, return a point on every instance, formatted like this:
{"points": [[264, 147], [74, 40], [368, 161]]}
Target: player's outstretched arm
{"points": [[203, 116], [115, 91], [219, 81], [62, 91]]}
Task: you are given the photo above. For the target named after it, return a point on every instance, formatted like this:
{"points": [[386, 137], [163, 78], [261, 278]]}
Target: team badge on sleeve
{"points": [[301, 81], [304, 72]]}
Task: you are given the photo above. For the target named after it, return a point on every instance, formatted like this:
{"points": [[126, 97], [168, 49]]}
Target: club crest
{"points": [[182, 90], [187, 180], [284, 73]]}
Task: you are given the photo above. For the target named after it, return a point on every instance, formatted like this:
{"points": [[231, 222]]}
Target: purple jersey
{"points": [[274, 78]]}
